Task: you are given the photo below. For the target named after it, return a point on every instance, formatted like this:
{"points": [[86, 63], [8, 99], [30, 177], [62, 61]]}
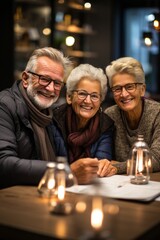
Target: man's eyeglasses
{"points": [[130, 88], [45, 81], [82, 95]]}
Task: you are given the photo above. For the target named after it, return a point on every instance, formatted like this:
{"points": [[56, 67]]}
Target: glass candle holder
{"points": [[139, 163], [63, 178], [46, 186], [98, 226]]}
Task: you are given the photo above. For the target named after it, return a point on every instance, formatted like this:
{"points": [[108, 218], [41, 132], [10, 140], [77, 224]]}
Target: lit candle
{"points": [[51, 184], [140, 155], [150, 165], [61, 185], [97, 213], [61, 192], [58, 205], [139, 162], [141, 170], [97, 220]]}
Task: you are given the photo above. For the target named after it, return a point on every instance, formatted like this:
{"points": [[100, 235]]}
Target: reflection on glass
{"points": [[140, 162], [97, 213], [46, 186], [63, 178]]}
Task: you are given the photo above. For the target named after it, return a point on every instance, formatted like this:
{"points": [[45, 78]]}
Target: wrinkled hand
{"points": [[85, 169], [114, 162], [106, 169]]}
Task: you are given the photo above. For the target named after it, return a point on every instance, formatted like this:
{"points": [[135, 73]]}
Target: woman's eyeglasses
{"points": [[130, 88], [82, 95], [45, 81]]}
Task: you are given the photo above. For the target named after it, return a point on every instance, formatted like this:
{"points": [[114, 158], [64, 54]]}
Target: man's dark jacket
{"points": [[19, 153]]}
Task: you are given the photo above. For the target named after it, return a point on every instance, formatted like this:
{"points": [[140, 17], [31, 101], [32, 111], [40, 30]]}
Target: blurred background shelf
{"points": [[94, 34], [50, 23], [75, 29], [81, 54]]}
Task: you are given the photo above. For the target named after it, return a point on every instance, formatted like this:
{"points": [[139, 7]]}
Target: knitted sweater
{"points": [[149, 126]]}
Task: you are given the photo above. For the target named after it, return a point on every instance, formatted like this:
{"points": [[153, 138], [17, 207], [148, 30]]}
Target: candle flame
{"points": [[97, 213], [61, 192], [61, 185], [149, 163], [140, 166], [51, 184]]}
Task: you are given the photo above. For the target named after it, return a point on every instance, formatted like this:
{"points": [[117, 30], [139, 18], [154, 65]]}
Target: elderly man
{"points": [[25, 113]]}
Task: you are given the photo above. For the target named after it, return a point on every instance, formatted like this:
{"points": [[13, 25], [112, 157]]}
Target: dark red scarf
{"points": [[80, 140]]}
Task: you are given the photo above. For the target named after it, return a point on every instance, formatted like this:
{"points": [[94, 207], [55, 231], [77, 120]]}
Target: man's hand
{"points": [[85, 169]]}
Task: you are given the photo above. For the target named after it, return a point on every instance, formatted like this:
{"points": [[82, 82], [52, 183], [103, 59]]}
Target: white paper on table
{"points": [[119, 187], [157, 199]]}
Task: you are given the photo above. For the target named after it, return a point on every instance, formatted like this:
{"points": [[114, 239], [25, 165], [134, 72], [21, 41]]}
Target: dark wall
{"points": [[7, 44], [102, 21]]}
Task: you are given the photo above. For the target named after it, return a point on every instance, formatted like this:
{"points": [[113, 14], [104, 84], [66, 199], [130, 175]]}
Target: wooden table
{"points": [[25, 216]]}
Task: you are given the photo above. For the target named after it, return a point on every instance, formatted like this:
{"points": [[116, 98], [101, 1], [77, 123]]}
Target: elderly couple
{"points": [[95, 142]]}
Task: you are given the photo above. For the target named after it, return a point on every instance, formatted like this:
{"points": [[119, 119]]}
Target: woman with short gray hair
{"points": [[133, 114], [86, 130]]}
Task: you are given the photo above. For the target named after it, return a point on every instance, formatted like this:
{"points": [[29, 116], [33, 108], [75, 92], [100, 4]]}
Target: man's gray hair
{"points": [[51, 53]]}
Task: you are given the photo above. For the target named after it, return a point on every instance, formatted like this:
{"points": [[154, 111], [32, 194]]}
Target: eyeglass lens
{"points": [[128, 87], [83, 95], [44, 81]]}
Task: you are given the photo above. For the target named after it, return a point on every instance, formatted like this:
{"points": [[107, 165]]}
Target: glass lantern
{"points": [[63, 179], [57, 177], [48, 183], [140, 161], [46, 186], [70, 179]]}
